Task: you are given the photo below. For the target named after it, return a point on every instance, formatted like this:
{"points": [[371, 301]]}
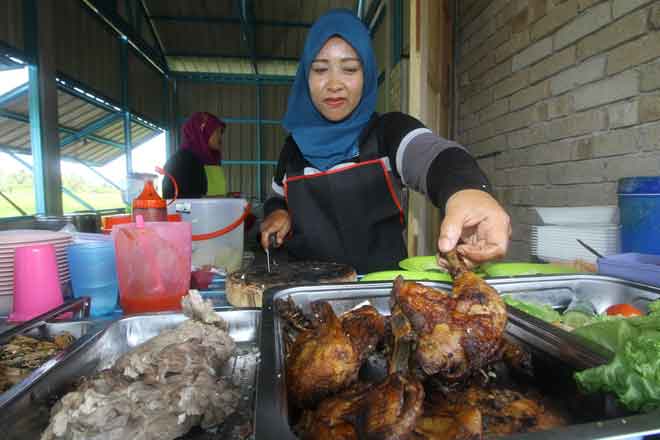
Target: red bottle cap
{"points": [[149, 198]]}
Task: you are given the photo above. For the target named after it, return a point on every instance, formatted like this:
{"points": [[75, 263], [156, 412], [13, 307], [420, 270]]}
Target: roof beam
{"points": [[4, 148], [91, 168], [72, 88], [228, 78], [231, 56], [78, 90], [154, 31], [227, 20], [116, 22], [90, 129], [11, 202], [359, 9], [13, 94], [22, 118], [64, 189], [248, 30]]}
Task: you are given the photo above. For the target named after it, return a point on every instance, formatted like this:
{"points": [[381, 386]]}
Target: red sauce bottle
{"points": [[151, 206]]}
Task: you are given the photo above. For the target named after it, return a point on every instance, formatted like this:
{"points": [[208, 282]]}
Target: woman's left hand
{"points": [[476, 225]]}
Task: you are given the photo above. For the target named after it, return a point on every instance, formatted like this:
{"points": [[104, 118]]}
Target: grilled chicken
{"points": [[456, 334], [388, 410], [484, 411], [326, 358]]}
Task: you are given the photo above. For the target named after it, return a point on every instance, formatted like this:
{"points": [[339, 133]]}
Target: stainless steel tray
{"points": [[28, 413], [272, 409], [42, 327], [559, 291]]}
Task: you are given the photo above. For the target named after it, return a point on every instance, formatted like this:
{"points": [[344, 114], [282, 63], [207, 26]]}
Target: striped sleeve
{"points": [[428, 163]]}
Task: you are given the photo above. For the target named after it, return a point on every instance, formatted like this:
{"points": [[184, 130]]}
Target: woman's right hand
{"points": [[278, 222]]}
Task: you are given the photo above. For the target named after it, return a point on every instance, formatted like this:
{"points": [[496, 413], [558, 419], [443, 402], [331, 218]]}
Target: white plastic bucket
{"points": [[209, 215]]}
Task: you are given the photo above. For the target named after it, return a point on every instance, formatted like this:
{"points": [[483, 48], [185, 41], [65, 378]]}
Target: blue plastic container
{"points": [[94, 274], [639, 207]]}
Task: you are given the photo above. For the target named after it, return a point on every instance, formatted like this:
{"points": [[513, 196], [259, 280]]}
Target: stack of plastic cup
{"points": [[94, 274], [36, 282]]}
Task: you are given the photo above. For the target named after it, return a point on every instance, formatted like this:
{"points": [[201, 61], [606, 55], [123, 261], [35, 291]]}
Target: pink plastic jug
{"points": [[153, 264]]}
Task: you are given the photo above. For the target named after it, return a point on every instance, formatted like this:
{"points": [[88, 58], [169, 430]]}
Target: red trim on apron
{"points": [[388, 180]]}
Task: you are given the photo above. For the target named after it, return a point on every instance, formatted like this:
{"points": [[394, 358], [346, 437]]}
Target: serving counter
{"points": [[258, 366]]}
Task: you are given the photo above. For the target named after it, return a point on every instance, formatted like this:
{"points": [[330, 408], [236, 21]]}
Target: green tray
{"points": [[390, 275], [520, 269], [429, 264], [421, 264]]}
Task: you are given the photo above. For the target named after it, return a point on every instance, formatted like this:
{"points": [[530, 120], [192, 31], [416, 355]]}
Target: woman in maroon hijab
{"points": [[196, 165]]}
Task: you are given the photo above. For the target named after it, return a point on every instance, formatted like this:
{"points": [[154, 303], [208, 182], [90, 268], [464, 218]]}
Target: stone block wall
{"points": [[559, 99]]}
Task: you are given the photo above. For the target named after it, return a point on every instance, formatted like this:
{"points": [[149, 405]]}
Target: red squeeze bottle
{"points": [[151, 206]]}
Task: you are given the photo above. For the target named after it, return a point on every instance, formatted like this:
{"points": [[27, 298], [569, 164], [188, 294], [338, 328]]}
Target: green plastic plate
{"points": [[422, 264], [429, 264], [390, 275], [519, 269]]}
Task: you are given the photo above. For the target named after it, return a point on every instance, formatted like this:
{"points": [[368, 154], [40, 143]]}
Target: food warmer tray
{"points": [[28, 413], [46, 326], [272, 416]]}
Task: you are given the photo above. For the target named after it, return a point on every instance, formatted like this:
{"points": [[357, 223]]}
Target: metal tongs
{"points": [[272, 241]]}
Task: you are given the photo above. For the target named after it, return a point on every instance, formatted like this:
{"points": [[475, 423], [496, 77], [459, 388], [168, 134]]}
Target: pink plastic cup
{"points": [[36, 282]]}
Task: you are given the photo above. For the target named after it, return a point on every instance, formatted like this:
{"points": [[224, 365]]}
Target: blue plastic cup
{"points": [[94, 274]]}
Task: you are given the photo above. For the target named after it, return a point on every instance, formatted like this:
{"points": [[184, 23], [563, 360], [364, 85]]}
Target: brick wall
{"points": [[562, 97]]}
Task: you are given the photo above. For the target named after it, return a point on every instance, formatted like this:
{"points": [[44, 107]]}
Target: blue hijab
{"points": [[325, 143]]}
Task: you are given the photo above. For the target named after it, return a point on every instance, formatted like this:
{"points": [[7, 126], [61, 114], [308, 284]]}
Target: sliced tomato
{"points": [[623, 309]]}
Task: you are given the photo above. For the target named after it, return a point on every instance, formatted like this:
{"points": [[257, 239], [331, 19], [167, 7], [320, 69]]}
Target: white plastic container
{"points": [[209, 215]]}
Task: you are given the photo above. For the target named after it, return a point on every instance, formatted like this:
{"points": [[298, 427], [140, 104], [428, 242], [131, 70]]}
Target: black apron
{"points": [[349, 215]]}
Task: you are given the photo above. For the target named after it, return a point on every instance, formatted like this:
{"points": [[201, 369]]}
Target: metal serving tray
{"points": [[43, 327], [29, 412], [272, 418]]}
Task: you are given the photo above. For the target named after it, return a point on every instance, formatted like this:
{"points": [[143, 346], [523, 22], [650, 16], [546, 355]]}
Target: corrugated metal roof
{"points": [[211, 37], [98, 143], [232, 66]]}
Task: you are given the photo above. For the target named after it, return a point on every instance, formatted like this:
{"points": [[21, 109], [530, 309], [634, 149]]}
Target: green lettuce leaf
{"points": [[654, 308], [634, 373], [541, 311]]}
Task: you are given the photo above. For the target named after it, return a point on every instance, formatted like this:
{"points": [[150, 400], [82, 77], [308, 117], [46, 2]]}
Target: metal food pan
{"points": [[272, 418], [28, 414], [559, 291], [44, 327]]}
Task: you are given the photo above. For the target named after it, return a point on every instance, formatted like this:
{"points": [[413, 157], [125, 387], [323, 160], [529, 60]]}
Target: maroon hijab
{"points": [[197, 131]]}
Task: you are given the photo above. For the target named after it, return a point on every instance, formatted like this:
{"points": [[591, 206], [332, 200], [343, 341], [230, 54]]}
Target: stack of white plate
{"points": [[556, 239], [10, 240]]}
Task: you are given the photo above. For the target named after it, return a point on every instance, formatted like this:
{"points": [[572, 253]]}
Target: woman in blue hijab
{"points": [[337, 187]]}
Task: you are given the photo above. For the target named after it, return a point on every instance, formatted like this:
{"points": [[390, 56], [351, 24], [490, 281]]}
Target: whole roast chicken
{"points": [[326, 355], [455, 334]]}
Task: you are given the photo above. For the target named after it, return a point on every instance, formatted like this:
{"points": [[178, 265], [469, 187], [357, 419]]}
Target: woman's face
{"points": [[336, 80], [215, 141]]}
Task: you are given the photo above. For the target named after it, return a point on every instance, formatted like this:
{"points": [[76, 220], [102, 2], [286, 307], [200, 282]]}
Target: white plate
{"points": [[603, 234], [570, 229], [569, 241], [6, 302], [9, 256], [9, 289], [572, 215], [60, 246], [31, 235]]}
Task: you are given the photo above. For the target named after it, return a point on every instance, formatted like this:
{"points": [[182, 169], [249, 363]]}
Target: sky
{"points": [[145, 157]]}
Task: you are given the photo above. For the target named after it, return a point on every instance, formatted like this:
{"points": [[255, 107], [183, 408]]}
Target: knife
{"points": [[272, 241]]}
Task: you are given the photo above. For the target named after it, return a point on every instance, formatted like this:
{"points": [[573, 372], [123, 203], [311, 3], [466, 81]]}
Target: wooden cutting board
{"points": [[245, 288]]}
